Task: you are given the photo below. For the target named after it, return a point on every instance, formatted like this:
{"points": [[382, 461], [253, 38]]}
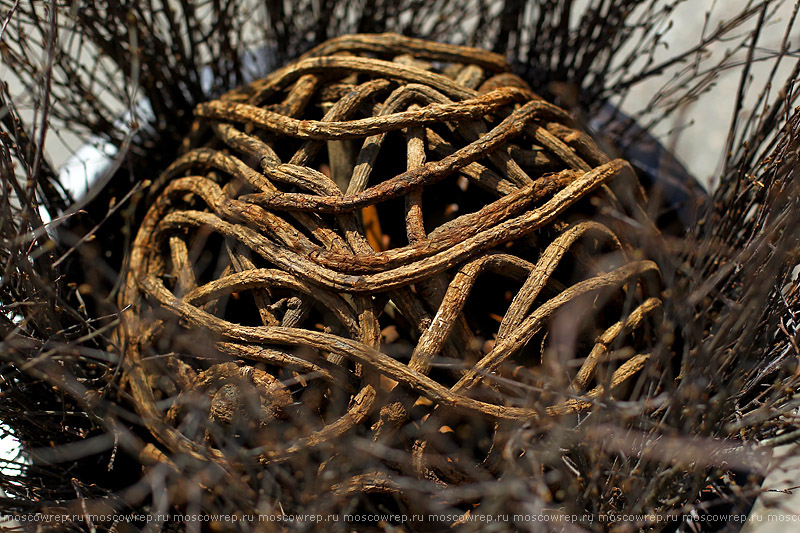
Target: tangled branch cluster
{"points": [[391, 241]]}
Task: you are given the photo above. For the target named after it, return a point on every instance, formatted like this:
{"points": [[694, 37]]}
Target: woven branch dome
{"points": [[392, 240]]}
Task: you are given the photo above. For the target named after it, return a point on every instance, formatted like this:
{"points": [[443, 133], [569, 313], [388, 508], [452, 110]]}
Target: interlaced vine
{"points": [[388, 238]]}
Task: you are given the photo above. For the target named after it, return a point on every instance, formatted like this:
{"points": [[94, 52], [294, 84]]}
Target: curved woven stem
{"points": [[377, 238]]}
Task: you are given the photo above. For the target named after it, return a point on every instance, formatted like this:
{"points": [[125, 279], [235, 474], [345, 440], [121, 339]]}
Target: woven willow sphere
{"points": [[390, 239]]}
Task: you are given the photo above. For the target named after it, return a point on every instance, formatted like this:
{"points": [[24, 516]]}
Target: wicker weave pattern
{"points": [[387, 233]]}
